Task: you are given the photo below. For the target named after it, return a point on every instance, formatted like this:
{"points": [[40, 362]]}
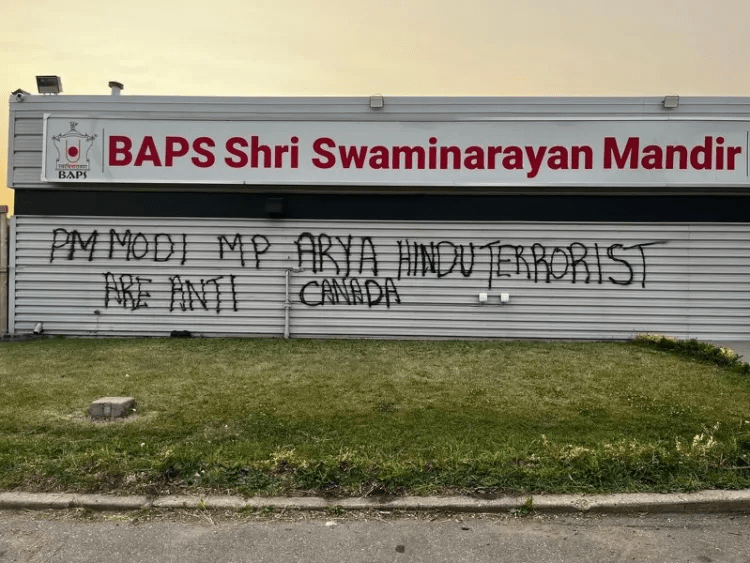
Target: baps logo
{"points": [[73, 153]]}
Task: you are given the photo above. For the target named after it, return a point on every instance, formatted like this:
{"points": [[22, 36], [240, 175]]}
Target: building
{"points": [[588, 218]]}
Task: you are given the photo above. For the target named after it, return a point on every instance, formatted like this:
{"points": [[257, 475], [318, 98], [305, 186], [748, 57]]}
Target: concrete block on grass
{"points": [[110, 408]]}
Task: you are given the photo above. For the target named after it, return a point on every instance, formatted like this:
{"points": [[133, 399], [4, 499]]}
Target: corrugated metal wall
{"points": [[143, 276], [564, 280], [26, 150]]}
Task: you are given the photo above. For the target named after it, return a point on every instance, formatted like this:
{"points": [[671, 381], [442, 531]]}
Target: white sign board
{"points": [[548, 152]]}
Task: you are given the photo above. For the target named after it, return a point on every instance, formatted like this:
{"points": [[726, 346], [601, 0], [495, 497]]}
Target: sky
{"points": [[364, 47]]}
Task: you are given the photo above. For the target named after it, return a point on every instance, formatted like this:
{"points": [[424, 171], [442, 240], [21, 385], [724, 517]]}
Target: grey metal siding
{"points": [[695, 282], [25, 155], [564, 280]]}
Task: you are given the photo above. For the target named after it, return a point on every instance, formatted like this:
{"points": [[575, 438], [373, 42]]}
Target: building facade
{"points": [[590, 218]]}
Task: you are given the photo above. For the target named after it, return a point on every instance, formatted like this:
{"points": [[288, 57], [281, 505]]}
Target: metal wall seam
{"points": [[12, 277]]}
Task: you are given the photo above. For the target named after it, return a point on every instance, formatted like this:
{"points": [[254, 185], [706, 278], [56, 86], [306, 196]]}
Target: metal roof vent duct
{"points": [[117, 87]]}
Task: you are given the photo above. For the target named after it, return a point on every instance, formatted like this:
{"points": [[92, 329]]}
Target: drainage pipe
{"points": [[287, 302], [3, 270]]}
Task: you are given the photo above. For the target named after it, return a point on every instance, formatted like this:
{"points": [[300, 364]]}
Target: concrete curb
{"points": [[36, 501], [700, 502]]}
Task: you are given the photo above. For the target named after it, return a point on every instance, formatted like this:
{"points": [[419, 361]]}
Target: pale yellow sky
{"points": [[393, 47]]}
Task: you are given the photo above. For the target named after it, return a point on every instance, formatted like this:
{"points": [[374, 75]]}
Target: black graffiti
{"points": [[439, 258], [126, 290], [260, 245], [349, 291], [322, 251], [71, 240], [138, 245], [206, 294], [161, 247], [348, 265], [576, 262]]}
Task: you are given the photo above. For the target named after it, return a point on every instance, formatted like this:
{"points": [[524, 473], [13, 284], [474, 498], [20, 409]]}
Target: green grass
{"points": [[357, 417]]}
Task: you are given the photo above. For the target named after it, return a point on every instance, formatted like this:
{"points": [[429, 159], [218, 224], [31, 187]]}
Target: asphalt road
{"points": [[201, 536]]}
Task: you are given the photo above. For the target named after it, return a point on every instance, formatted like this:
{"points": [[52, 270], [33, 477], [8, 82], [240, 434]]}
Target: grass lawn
{"points": [[256, 416]]}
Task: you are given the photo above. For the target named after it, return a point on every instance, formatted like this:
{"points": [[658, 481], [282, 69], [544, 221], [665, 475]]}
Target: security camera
{"points": [[20, 95]]}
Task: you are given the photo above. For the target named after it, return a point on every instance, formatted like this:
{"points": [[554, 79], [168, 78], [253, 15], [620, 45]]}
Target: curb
{"points": [[653, 503]]}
